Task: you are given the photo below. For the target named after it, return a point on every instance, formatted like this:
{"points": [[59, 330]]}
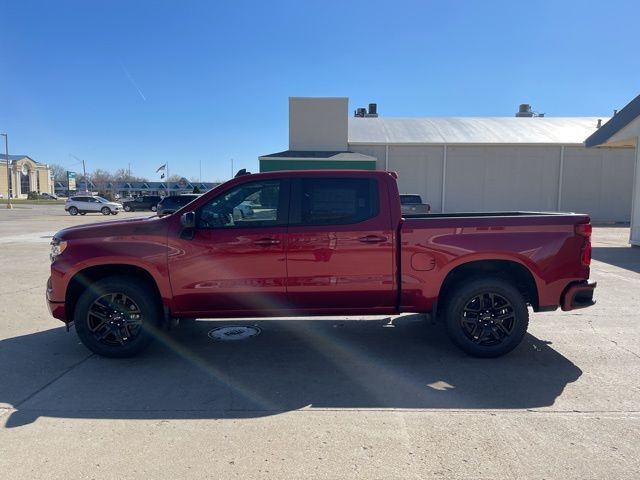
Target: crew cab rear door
{"points": [[340, 245]]}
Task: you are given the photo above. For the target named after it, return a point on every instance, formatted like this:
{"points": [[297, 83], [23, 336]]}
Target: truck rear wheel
{"points": [[486, 317], [116, 317]]}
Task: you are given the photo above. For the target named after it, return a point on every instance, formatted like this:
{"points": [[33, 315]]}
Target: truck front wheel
{"points": [[116, 317], [486, 317]]}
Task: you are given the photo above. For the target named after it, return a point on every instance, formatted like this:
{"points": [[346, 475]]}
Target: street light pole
{"points": [[84, 172], [6, 149]]}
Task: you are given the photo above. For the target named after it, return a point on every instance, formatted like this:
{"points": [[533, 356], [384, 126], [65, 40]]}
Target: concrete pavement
{"points": [[341, 397]]}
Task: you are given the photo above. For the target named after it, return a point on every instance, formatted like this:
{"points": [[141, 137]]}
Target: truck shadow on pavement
{"points": [[292, 364], [624, 257]]}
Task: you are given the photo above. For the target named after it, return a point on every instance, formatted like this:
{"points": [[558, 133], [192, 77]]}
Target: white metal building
{"points": [[623, 131], [469, 163]]}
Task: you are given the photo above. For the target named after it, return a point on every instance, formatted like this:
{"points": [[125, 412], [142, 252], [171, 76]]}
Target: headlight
{"points": [[57, 247]]}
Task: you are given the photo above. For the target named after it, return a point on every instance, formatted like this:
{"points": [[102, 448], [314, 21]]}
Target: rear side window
{"points": [[338, 201]]}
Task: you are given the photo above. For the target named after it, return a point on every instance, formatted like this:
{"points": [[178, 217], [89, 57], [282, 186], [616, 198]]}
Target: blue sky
{"points": [[201, 82]]}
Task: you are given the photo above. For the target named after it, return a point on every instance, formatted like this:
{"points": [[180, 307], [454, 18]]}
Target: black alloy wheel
{"points": [[117, 316], [114, 319], [486, 317]]}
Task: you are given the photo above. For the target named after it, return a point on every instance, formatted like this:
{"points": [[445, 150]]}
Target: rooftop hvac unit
{"points": [[524, 110]]}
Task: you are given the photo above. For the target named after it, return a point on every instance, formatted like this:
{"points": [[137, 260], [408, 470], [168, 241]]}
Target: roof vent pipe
{"points": [[599, 123]]}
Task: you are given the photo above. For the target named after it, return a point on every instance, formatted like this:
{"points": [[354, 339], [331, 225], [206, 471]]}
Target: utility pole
{"points": [[6, 149], [84, 172]]}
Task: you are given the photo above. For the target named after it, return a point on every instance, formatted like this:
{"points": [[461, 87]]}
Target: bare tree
{"points": [[59, 172], [122, 175], [101, 180], [174, 178]]}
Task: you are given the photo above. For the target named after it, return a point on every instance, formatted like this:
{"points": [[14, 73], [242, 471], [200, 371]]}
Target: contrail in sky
{"points": [[133, 82]]}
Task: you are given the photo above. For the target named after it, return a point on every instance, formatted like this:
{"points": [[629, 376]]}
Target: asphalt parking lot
{"points": [[321, 398]]}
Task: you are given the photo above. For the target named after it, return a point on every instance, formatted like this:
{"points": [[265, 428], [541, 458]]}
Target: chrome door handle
{"points": [[372, 239], [267, 241]]}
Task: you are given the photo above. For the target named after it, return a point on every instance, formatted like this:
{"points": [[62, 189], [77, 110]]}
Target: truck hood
{"points": [[133, 226]]}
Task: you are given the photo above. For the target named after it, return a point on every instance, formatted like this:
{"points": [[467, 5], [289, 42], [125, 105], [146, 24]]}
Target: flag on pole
{"points": [[163, 167]]}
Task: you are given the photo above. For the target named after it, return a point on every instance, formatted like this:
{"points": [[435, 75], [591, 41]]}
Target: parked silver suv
{"points": [[81, 204]]}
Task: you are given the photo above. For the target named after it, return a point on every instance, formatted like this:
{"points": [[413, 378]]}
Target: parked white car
{"points": [[81, 204]]}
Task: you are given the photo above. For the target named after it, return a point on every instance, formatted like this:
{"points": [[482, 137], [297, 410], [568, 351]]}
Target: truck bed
{"points": [[488, 214]]}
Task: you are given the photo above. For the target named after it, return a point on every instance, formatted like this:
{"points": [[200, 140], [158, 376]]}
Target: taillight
{"points": [[585, 230], [586, 254]]}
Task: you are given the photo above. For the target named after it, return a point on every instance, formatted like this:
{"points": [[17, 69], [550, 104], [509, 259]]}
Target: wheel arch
{"points": [[84, 278], [513, 272]]}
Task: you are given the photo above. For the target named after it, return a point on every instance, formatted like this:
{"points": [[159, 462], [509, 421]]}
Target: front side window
{"points": [[254, 204], [335, 201]]}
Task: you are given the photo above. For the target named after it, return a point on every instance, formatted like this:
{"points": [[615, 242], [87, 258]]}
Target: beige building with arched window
{"points": [[26, 175]]}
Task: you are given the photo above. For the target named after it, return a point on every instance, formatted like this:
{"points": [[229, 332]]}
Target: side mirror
{"points": [[188, 220]]}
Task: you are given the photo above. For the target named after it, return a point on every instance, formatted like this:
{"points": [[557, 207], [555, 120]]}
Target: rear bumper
{"points": [[578, 295]]}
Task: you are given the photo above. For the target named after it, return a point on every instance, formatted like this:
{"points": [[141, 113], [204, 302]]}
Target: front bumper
{"points": [[578, 295], [56, 308]]}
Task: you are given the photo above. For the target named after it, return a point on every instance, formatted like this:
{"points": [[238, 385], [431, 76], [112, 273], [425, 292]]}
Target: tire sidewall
{"points": [[140, 294], [105, 211], [465, 292], [73, 211]]}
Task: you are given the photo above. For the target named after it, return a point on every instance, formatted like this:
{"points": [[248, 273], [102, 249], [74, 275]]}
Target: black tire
{"points": [[73, 211], [83, 213], [114, 213], [104, 322], [154, 208], [105, 211], [486, 317], [127, 208]]}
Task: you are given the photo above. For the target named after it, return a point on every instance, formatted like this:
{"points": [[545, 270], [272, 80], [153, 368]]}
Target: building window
{"points": [[24, 184]]}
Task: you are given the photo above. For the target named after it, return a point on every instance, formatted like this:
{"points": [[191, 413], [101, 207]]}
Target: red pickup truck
{"points": [[317, 243]]}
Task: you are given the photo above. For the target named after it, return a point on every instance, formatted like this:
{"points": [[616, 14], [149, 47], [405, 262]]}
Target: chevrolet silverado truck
{"points": [[318, 243]]}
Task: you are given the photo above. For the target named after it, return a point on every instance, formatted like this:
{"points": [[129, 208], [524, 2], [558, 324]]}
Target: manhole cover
{"points": [[233, 332]]}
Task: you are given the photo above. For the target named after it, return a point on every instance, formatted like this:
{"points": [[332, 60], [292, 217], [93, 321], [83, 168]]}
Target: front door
{"points": [[235, 262]]}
